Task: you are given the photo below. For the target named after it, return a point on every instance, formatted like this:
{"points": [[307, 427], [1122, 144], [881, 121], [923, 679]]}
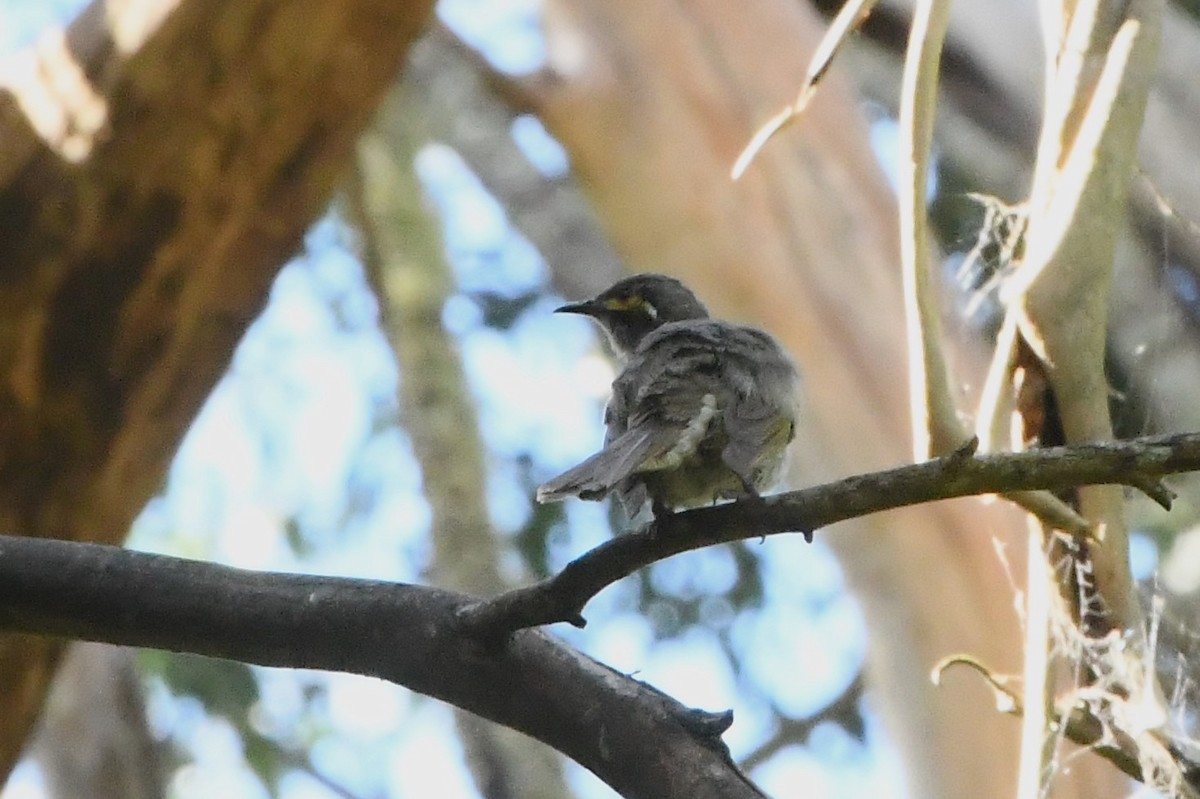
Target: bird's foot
{"points": [[661, 512]]}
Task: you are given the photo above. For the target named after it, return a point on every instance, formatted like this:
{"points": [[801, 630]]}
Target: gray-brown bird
{"points": [[702, 410]]}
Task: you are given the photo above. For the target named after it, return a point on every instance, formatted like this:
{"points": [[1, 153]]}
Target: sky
{"points": [[297, 462]]}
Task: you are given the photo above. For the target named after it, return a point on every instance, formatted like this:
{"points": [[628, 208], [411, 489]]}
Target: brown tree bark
{"points": [[157, 167], [653, 102]]}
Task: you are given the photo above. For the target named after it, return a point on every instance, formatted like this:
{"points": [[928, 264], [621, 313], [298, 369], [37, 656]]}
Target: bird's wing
{"points": [[600, 473], [741, 373], [760, 414], [651, 425], [683, 379]]}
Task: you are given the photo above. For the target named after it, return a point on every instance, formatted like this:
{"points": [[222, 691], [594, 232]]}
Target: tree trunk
{"points": [[160, 163], [404, 255], [654, 101]]}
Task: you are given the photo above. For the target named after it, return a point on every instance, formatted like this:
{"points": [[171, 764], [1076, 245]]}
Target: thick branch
{"points": [[1136, 463], [429, 640], [640, 741]]}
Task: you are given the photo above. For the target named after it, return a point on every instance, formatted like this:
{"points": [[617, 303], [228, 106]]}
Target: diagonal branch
{"points": [[851, 15], [842, 711], [561, 598]]}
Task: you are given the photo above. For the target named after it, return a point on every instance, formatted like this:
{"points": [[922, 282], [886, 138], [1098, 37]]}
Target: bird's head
{"points": [[635, 306]]}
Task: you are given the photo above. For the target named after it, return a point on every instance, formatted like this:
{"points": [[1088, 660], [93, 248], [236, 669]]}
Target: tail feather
{"points": [[600, 473]]}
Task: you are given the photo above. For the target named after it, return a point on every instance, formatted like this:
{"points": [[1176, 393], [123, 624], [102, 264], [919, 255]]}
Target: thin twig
{"points": [[841, 710], [1079, 724], [848, 18]]}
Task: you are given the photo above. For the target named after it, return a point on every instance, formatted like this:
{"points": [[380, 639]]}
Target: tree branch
{"points": [[474, 654], [562, 597], [608, 722]]}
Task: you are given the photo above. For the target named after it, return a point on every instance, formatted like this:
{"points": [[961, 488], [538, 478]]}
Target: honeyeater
{"points": [[702, 410]]}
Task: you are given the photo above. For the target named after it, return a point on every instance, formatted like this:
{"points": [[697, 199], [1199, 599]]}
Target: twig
{"points": [[1007, 701], [1078, 723], [849, 17], [797, 731]]}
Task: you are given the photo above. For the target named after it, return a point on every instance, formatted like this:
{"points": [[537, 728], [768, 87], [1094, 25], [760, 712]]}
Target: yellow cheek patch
{"points": [[634, 303], [624, 303]]}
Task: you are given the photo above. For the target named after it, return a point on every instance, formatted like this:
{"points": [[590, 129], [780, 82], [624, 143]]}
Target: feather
{"points": [[597, 475]]}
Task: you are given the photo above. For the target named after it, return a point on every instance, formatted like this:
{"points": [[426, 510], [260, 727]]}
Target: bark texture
{"points": [[159, 162]]}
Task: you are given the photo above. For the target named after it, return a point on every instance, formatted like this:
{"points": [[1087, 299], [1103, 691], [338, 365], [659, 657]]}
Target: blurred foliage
{"points": [[226, 689], [547, 525], [501, 312]]}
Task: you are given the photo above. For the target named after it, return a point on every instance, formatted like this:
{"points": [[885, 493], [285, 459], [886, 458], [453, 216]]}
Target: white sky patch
{"points": [[429, 762], [508, 34], [794, 774], [776, 639], [281, 703], [1181, 567], [594, 374], [216, 744], [25, 782], [529, 402], [195, 781], [364, 706], [1143, 556], [623, 642], [692, 669], [251, 537], [696, 574], [542, 149]]}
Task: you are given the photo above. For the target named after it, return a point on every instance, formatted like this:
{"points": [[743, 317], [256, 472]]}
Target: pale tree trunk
{"points": [[93, 739], [404, 255], [653, 102], [160, 163]]}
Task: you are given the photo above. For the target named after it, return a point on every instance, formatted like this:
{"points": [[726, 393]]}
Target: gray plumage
{"points": [[703, 410]]}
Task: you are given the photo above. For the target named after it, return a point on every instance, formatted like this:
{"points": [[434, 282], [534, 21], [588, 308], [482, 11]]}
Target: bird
{"points": [[702, 410]]}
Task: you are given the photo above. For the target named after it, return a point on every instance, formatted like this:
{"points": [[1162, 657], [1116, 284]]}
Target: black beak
{"points": [[586, 308]]}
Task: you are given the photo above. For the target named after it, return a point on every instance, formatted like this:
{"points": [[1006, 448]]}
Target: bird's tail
{"points": [[600, 473]]}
